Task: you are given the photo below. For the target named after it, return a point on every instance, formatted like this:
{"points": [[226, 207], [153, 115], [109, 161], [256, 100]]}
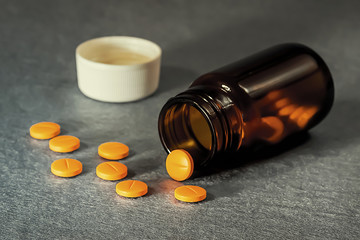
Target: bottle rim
{"points": [[199, 104]]}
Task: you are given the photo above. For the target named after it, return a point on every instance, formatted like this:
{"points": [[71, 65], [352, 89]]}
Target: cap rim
{"points": [[118, 83]]}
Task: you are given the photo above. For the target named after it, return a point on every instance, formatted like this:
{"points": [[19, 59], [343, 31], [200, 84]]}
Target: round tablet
{"points": [[111, 171], [113, 150], [287, 110], [190, 193], [179, 165], [66, 167], [131, 188], [64, 144], [296, 114], [305, 117], [276, 127], [44, 130]]}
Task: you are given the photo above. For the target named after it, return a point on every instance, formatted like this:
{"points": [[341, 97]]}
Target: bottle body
{"points": [[263, 98]]}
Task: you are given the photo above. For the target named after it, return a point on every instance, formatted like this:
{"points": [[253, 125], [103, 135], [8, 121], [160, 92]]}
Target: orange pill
{"points": [[287, 110], [111, 171], [190, 193], [44, 130], [64, 144], [179, 165], [66, 167], [305, 117], [274, 95], [131, 188], [296, 114], [113, 150], [272, 129], [282, 103]]}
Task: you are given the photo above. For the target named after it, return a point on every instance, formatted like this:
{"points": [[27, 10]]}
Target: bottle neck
{"points": [[202, 120]]}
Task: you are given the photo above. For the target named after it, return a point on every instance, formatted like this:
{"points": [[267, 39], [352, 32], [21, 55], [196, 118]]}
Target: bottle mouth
{"points": [[184, 124]]}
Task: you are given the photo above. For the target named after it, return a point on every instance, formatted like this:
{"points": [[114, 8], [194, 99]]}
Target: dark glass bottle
{"points": [[261, 99]]}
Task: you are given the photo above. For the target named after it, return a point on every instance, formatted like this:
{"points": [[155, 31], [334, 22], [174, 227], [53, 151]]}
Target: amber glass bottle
{"points": [[261, 99]]}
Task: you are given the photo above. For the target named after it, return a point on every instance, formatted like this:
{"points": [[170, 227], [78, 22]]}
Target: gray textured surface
{"points": [[309, 192]]}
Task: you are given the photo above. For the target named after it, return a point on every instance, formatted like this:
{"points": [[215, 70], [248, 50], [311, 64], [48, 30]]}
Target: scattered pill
{"points": [[113, 150], [131, 188], [189, 193], [44, 130], [111, 171], [66, 167], [64, 144], [179, 165]]}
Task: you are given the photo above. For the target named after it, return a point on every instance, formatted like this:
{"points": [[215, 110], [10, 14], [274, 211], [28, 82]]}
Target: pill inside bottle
{"points": [[262, 99]]}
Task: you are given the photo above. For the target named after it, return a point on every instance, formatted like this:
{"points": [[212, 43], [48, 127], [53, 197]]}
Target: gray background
{"points": [[309, 192]]}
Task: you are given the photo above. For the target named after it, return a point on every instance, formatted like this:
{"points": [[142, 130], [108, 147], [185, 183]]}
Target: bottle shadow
{"points": [[337, 133], [253, 155]]}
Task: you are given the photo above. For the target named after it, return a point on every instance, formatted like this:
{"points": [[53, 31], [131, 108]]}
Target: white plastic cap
{"points": [[118, 68]]}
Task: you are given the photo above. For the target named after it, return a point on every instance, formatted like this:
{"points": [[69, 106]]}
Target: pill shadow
{"points": [[151, 191], [82, 147], [87, 168], [209, 197], [132, 153], [130, 174], [122, 160], [60, 180], [142, 160]]}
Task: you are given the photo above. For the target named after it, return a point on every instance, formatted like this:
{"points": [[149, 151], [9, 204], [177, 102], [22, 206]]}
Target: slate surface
{"points": [[309, 192]]}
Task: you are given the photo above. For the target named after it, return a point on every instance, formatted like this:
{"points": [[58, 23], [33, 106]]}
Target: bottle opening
{"points": [[184, 126]]}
